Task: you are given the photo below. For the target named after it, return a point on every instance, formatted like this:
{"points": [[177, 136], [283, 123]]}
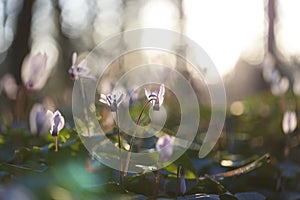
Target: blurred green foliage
{"points": [[29, 161]]}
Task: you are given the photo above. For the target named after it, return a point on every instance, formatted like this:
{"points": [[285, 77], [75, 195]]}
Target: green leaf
{"points": [[208, 186], [227, 196], [141, 184], [33, 167], [189, 169]]}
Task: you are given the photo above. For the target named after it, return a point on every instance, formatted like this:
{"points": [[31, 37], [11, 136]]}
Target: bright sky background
{"points": [[289, 28], [228, 29], [225, 28]]}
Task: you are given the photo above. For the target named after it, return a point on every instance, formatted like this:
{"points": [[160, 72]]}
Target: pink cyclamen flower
{"points": [[157, 98], [289, 122], [57, 122], [34, 71], [164, 146], [79, 70], [112, 100]]}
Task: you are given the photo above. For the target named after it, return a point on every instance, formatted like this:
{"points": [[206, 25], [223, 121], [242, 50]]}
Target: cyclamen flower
{"points": [[9, 86], [80, 70], [38, 120], [157, 98], [279, 86], [34, 71], [57, 124], [182, 182], [113, 101], [296, 86], [289, 122], [164, 146]]}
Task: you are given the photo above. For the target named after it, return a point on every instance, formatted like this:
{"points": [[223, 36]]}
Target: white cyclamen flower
{"points": [[157, 98], [112, 100], [164, 146], [57, 122], [80, 70], [289, 122]]}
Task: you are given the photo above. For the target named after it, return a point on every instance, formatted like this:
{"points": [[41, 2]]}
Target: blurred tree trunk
{"points": [[271, 10], [180, 64], [20, 46], [18, 50]]}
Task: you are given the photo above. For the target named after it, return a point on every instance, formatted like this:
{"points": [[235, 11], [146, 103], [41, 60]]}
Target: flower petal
{"points": [[161, 94], [147, 93], [103, 99], [74, 58], [51, 119], [83, 64], [121, 98]]}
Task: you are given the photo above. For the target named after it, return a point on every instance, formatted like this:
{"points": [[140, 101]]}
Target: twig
{"points": [[242, 170], [119, 144]]}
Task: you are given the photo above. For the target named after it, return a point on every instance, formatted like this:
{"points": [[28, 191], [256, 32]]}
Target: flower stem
{"points": [[84, 108], [177, 179], [157, 183], [133, 135], [286, 151], [55, 143], [119, 144]]}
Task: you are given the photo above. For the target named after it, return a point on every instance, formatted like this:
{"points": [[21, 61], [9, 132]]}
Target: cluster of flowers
{"points": [[41, 118]]}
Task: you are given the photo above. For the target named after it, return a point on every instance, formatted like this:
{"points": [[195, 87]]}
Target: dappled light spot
{"points": [[237, 108]]}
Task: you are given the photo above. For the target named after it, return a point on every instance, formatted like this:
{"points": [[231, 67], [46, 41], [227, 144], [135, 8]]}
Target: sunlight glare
{"points": [[224, 28]]}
